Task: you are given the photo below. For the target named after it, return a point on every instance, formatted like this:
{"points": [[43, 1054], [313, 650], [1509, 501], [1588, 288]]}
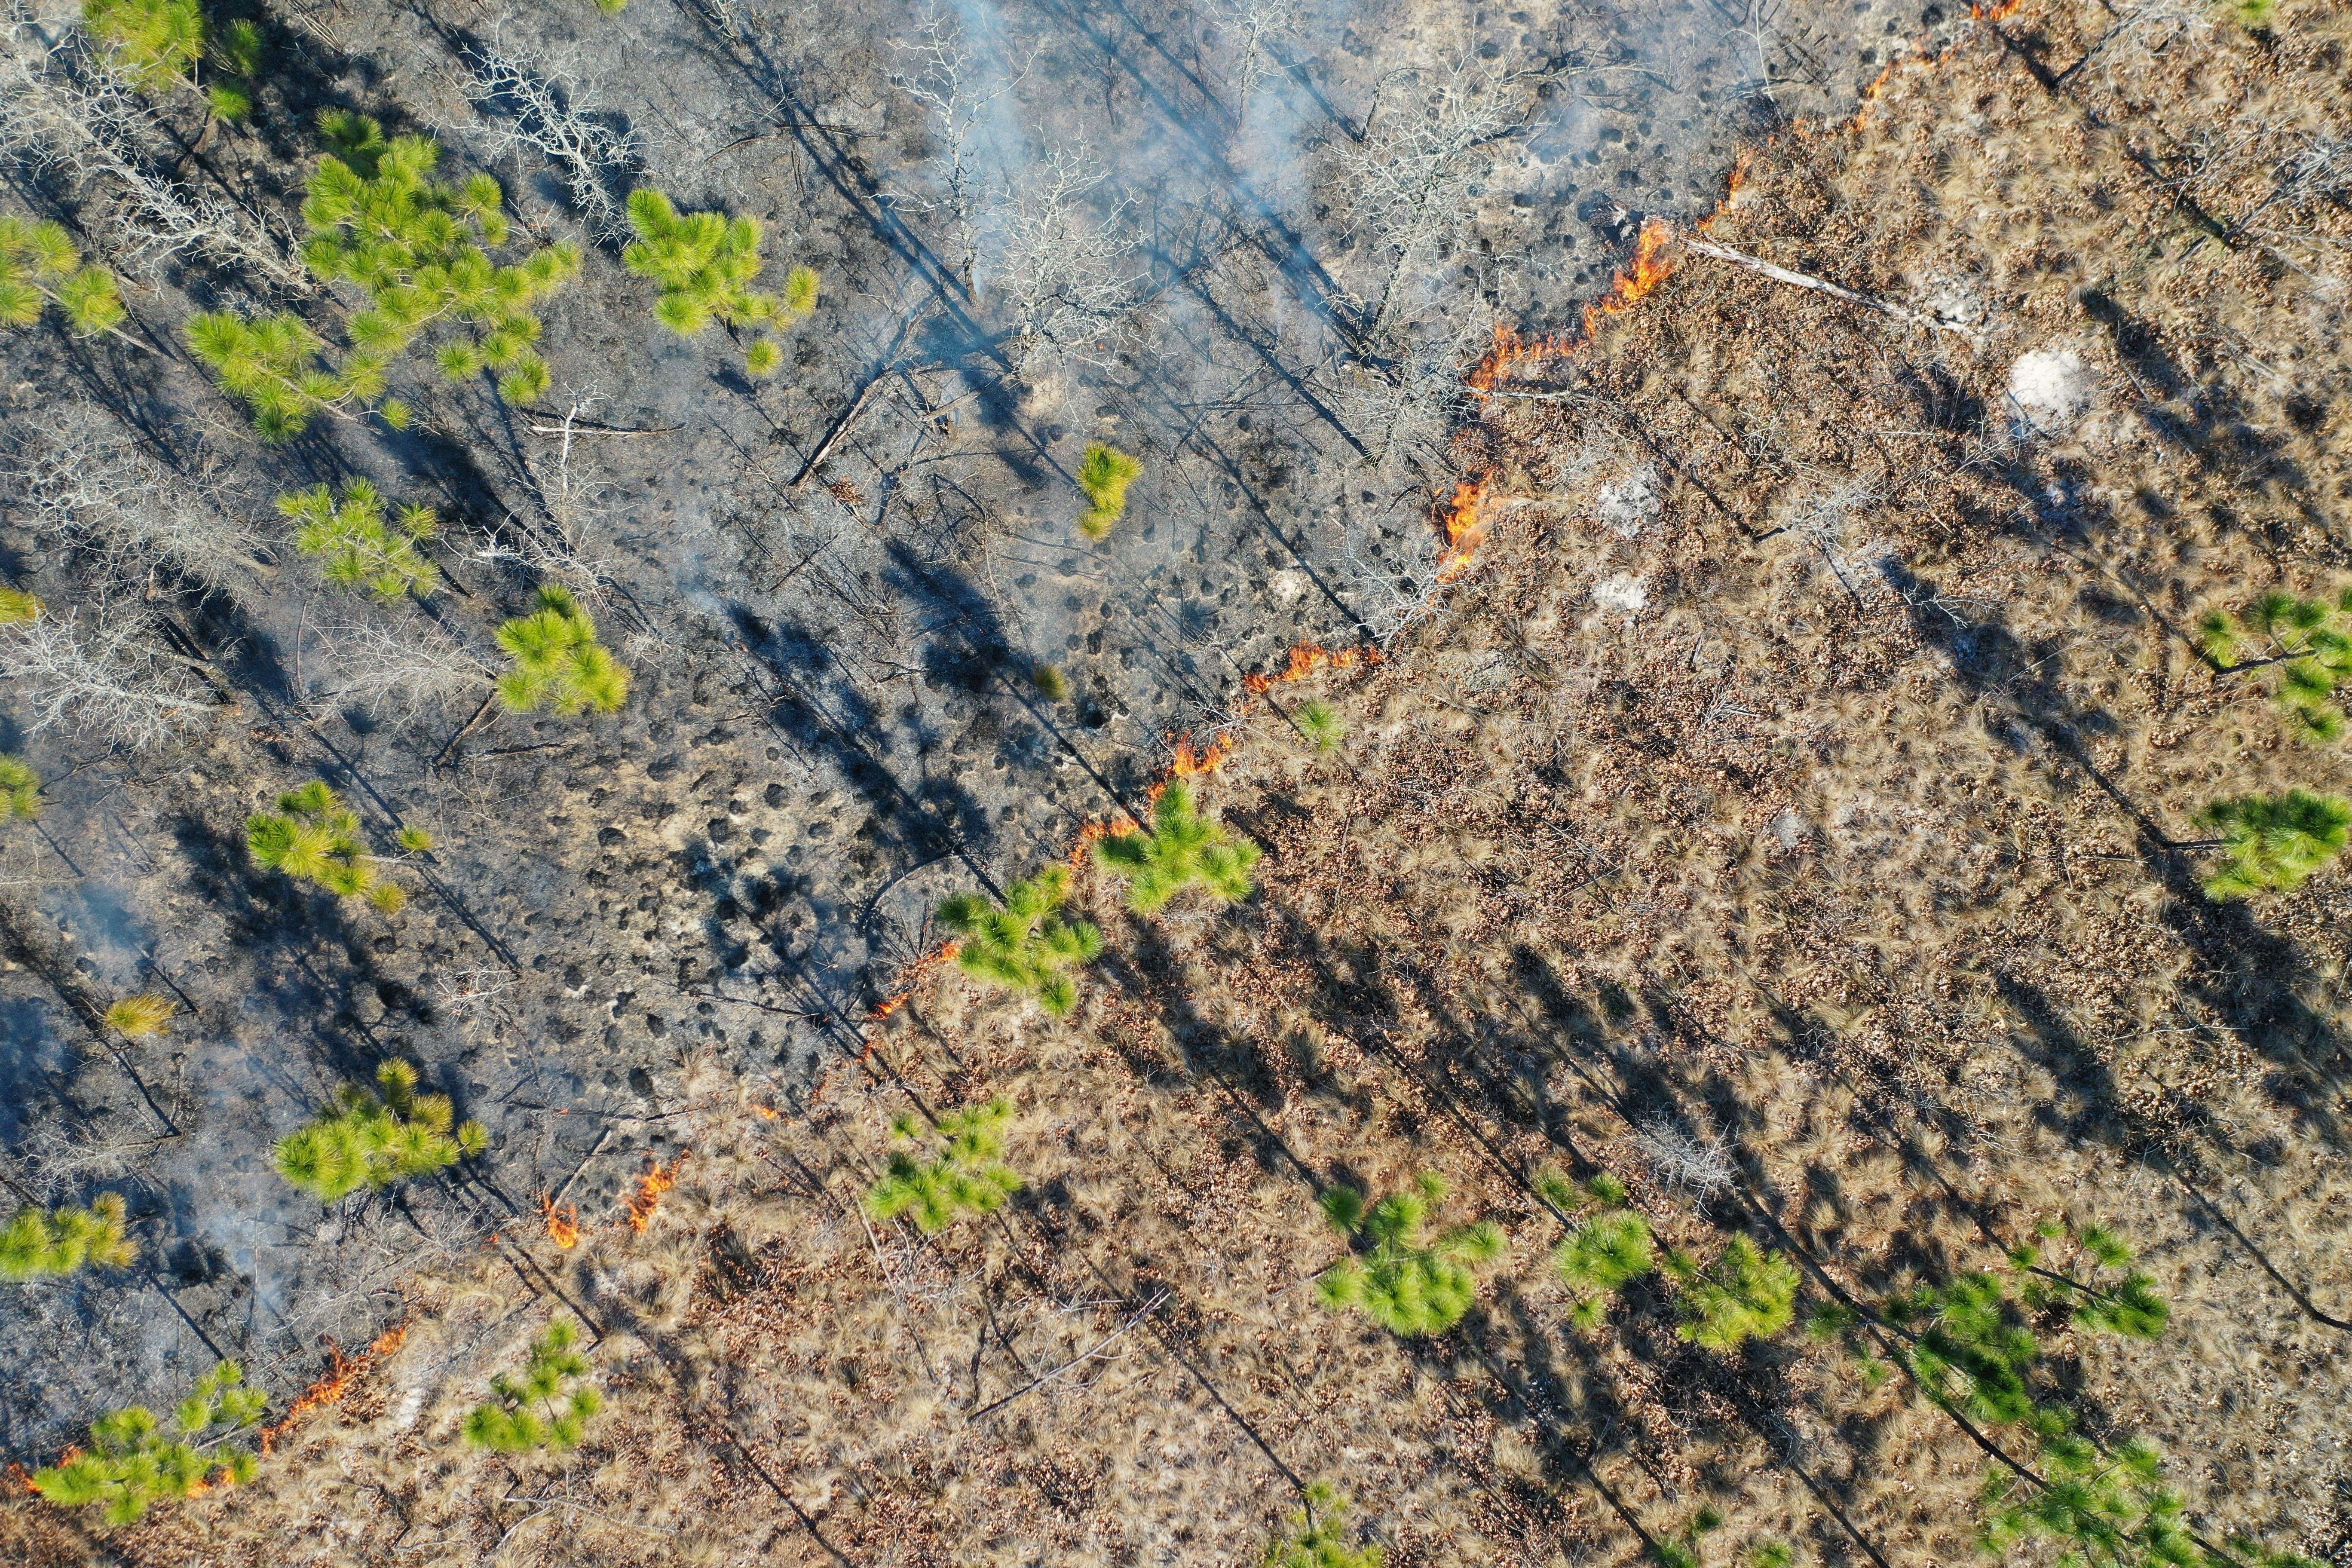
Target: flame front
{"points": [[563, 1224], [1306, 658], [1465, 529], [650, 1188], [341, 1373], [1193, 760], [912, 976]]}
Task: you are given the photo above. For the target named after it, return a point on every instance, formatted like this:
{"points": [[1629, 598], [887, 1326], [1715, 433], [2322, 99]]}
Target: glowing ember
{"points": [[913, 975], [563, 1224], [765, 1112], [341, 1373], [650, 1188]]}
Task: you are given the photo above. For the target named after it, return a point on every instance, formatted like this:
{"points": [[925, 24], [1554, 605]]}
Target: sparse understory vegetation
{"points": [[1787, 1006]]}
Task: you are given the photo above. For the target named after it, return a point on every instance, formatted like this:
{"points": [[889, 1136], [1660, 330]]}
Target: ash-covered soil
{"points": [[1254, 247]]}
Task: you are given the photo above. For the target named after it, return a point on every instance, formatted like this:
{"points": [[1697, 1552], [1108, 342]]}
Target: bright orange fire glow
{"points": [[1193, 760], [563, 1224], [913, 974], [1465, 529], [1305, 660], [765, 1112], [1651, 268], [650, 1188], [341, 1373]]}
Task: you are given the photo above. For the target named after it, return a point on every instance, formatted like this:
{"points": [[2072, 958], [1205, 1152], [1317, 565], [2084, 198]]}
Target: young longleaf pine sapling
{"points": [[558, 662], [1407, 1285], [20, 790], [1608, 1251], [2307, 642], [1318, 1537], [355, 547], [1052, 684], [1321, 726], [159, 43], [140, 1016], [2128, 1308], [2271, 844], [375, 1139], [313, 838], [17, 606], [705, 263], [40, 266], [420, 248], [62, 1241], [1023, 945], [131, 1462], [1183, 848], [1104, 474], [532, 1411], [1746, 1293], [965, 1177]]}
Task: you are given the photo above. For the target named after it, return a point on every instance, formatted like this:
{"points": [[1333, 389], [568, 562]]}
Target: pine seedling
{"points": [[1051, 683], [1972, 1350], [559, 664], [132, 1461], [2307, 643], [375, 1139], [1319, 1536], [277, 367], [16, 607], [1183, 848], [534, 1411], [1024, 943], [356, 547], [40, 267], [1746, 1293], [1104, 474], [1602, 1256], [312, 837], [1409, 1285], [20, 790], [965, 1177], [2101, 1509], [35, 1244], [1771, 1554], [704, 264], [156, 43], [1321, 726], [2272, 843], [136, 1017], [2128, 1308]]}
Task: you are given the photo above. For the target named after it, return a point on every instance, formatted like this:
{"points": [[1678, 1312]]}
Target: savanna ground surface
{"points": [[1786, 804]]}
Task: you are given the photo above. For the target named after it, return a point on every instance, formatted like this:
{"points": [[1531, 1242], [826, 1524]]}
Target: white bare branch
{"points": [[84, 483], [1068, 280], [544, 112], [409, 667], [103, 676]]}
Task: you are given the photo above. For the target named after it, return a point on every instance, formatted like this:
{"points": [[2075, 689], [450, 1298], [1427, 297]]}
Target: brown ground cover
{"points": [[1796, 781]]}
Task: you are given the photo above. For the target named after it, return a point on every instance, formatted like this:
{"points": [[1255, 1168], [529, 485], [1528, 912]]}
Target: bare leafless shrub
{"points": [[1068, 278], [542, 112], [962, 83], [408, 666], [1684, 1158], [102, 674], [134, 522], [65, 109]]}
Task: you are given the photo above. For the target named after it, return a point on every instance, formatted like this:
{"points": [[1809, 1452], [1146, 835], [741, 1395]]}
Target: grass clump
{"points": [[132, 1461], [140, 1016], [35, 1243], [420, 249], [20, 790], [2272, 844], [1104, 474], [354, 545], [1409, 1285], [559, 664], [2307, 643], [964, 1177], [532, 1411], [40, 267], [313, 838], [1051, 683], [1023, 945], [17, 606], [1183, 848], [1746, 1293], [377, 1139], [704, 264], [1318, 1538]]}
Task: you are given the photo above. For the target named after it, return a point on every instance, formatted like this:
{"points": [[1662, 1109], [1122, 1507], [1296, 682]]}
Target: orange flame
{"points": [[1306, 658], [1465, 529], [1651, 268], [563, 1224], [341, 1373], [913, 974], [650, 1188], [765, 1112], [1191, 760]]}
